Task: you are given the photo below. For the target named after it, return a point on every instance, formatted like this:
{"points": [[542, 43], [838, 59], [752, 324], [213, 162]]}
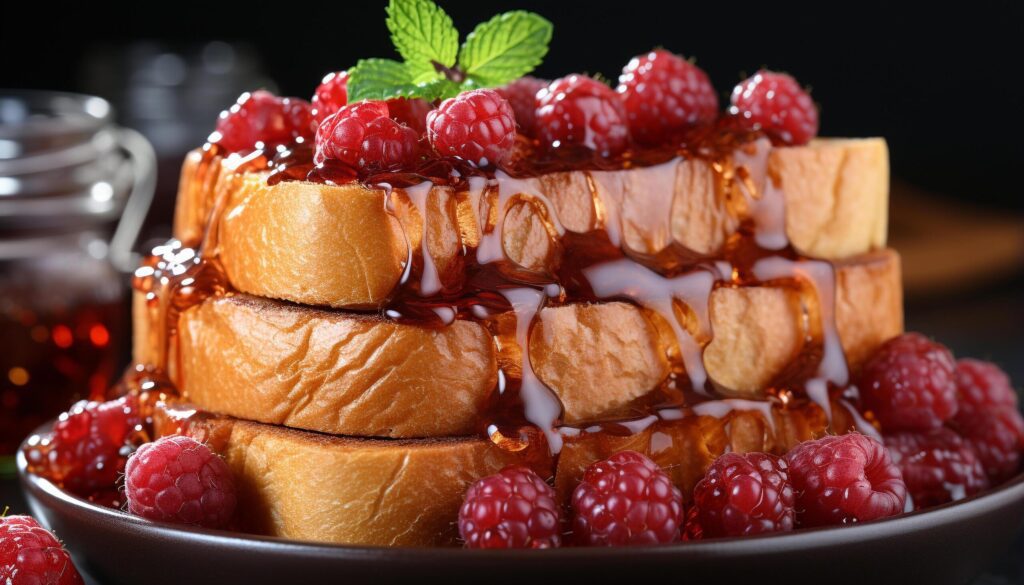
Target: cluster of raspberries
{"points": [[660, 96], [951, 429]]}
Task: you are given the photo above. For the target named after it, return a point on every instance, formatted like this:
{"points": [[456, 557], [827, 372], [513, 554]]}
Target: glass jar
{"points": [[74, 190]]}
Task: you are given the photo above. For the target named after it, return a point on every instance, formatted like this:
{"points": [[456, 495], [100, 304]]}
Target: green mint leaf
{"points": [[423, 33], [505, 47], [378, 79], [437, 89], [384, 79], [421, 74]]}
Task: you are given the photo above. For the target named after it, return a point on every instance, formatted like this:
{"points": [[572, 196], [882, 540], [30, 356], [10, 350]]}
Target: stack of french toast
{"points": [[444, 302], [350, 414]]}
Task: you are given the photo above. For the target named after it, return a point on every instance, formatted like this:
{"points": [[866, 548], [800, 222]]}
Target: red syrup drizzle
{"points": [[674, 282]]}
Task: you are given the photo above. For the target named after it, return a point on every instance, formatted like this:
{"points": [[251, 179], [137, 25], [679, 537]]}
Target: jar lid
{"points": [[61, 165]]}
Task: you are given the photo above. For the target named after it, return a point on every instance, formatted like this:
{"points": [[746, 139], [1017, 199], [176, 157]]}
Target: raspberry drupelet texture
{"points": [[626, 500], [476, 126], [261, 117], [364, 137], [522, 96], [90, 444], [983, 385], [776, 104], [30, 555], [742, 494], [842, 479], [909, 384], [938, 466], [330, 96], [997, 437], [580, 111], [514, 508], [664, 95], [178, 479]]}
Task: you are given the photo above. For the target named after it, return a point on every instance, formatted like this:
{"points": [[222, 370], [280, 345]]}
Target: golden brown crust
{"points": [[351, 374], [338, 246], [306, 486]]}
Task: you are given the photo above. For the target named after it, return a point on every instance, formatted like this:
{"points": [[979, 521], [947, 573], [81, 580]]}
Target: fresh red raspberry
{"points": [[937, 466], [178, 479], [664, 95], [997, 436], [983, 386], [475, 126], [580, 111], [90, 444], [625, 500], [261, 117], [30, 554], [514, 508], [522, 96], [842, 479], [332, 95], [909, 384], [362, 136], [775, 103], [742, 494]]}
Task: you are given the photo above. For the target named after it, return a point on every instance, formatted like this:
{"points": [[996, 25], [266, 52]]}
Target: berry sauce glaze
{"points": [[669, 282]]}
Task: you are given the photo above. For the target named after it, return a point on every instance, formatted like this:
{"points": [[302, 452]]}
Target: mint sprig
{"points": [[498, 51]]}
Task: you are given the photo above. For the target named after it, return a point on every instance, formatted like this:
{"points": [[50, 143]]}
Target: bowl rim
{"points": [[48, 494]]}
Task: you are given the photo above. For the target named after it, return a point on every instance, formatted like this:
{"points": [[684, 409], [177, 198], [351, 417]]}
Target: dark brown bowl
{"points": [[946, 544]]}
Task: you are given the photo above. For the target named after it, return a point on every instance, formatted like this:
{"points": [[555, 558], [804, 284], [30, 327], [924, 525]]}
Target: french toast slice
{"points": [[408, 492], [355, 374], [341, 246]]}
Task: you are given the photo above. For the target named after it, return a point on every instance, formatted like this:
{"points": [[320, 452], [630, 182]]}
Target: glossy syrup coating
{"points": [[490, 284]]}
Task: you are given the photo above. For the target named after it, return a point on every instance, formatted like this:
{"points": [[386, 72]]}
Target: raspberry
{"points": [[624, 500], [476, 126], [31, 554], [90, 444], [664, 95], [775, 103], [522, 96], [841, 479], [178, 479], [983, 386], [261, 117], [332, 95], [909, 384], [937, 466], [362, 136], [997, 437], [742, 494], [514, 508], [580, 111]]}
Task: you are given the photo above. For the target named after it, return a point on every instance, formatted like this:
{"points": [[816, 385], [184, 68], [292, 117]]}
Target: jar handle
{"points": [[126, 234]]}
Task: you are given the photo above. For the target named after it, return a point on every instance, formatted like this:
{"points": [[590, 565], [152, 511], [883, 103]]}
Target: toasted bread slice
{"points": [[344, 373], [308, 486], [339, 246]]}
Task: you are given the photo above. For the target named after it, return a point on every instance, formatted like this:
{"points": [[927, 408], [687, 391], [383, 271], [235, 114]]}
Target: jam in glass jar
{"points": [[74, 190]]}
